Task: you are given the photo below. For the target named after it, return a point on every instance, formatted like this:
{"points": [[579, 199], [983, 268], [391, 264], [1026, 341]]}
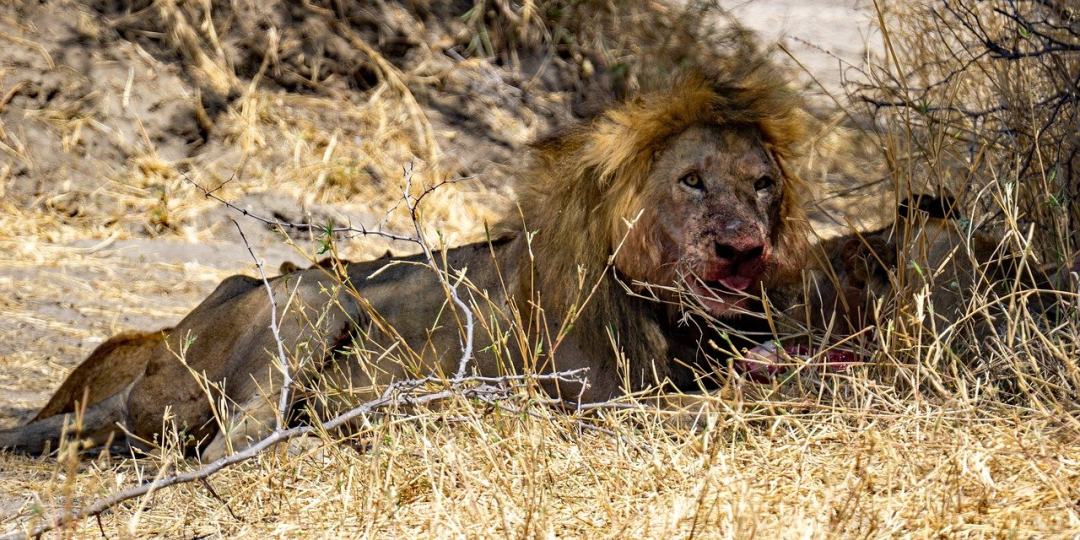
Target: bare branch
{"points": [[360, 230], [283, 360], [413, 204]]}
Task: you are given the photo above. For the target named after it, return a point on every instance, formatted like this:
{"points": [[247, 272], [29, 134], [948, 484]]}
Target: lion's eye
{"points": [[764, 183], [692, 181]]}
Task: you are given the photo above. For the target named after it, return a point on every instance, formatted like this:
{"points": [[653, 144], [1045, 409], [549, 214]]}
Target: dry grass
{"points": [[930, 440], [925, 471]]}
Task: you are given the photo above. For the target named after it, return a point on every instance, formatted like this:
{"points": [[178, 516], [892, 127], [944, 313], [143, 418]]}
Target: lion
{"points": [[110, 367], [930, 251], [929, 264], [678, 198], [925, 249]]}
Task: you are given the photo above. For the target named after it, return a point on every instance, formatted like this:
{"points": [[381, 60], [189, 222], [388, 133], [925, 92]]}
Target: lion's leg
{"points": [[106, 379], [109, 369], [252, 422], [116, 363], [98, 425]]}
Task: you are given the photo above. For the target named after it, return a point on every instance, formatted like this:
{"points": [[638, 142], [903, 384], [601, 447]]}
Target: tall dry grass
{"points": [[978, 102], [962, 426]]}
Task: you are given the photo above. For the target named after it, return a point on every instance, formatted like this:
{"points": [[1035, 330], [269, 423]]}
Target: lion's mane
{"points": [[583, 183]]}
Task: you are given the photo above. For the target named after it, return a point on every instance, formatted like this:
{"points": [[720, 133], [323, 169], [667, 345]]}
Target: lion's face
{"points": [[715, 199]]}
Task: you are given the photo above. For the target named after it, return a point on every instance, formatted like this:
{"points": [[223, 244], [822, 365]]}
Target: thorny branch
{"points": [[1029, 51], [1042, 38], [413, 205], [283, 360], [304, 227]]}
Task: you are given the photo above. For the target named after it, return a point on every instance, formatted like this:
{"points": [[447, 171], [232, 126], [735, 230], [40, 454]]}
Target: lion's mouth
{"points": [[725, 285], [720, 296], [731, 283]]}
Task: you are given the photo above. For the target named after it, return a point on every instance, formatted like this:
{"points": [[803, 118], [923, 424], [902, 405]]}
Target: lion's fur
{"points": [[585, 183], [926, 257], [108, 370]]}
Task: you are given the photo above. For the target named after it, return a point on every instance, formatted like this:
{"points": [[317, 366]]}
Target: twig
{"points": [[101, 528], [361, 230], [283, 360], [413, 204], [213, 492]]}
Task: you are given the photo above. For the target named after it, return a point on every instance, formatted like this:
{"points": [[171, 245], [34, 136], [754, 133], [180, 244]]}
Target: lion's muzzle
{"points": [[740, 262]]}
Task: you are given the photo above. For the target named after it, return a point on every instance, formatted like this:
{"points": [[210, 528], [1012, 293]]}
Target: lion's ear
{"points": [[938, 207], [867, 258]]}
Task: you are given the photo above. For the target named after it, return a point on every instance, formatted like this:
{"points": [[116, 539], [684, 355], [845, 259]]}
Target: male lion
{"points": [[683, 191]]}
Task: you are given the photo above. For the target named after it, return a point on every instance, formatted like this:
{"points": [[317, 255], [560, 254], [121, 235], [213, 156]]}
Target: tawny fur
{"points": [[107, 371], [926, 253]]}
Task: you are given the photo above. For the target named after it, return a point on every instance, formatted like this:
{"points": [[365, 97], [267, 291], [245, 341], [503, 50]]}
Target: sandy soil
{"points": [[828, 38]]}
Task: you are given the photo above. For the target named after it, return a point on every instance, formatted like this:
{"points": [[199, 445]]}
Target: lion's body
{"points": [[700, 174], [926, 261], [107, 371], [228, 339]]}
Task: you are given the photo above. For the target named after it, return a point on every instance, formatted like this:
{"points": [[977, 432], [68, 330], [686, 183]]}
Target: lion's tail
{"points": [[97, 425]]}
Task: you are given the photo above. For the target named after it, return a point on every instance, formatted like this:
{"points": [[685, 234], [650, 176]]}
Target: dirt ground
{"points": [[828, 38]]}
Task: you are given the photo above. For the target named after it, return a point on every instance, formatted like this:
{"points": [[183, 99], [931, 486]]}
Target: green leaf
{"points": [[326, 238]]}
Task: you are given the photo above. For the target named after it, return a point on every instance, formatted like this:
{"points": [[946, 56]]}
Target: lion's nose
{"points": [[738, 253]]}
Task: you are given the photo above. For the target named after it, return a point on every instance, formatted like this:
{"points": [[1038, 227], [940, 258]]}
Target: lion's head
{"points": [[711, 216], [690, 188]]}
